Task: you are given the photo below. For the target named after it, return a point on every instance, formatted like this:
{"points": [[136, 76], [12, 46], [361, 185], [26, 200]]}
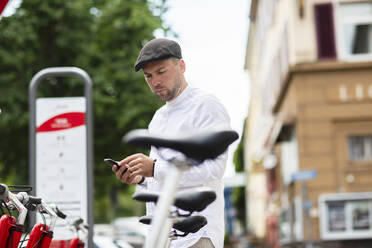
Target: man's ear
{"points": [[182, 65]]}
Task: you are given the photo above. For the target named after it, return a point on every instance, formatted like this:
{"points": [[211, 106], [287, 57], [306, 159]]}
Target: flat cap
{"points": [[157, 49]]}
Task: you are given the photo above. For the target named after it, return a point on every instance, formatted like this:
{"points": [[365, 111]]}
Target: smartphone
{"points": [[113, 162]]}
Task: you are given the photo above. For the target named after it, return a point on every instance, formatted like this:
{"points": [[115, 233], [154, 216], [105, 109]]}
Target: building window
{"points": [[361, 215], [325, 34], [356, 29], [346, 216], [336, 216], [360, 148]]}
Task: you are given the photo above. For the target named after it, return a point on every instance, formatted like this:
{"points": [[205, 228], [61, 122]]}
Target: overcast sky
{"points": [[213, 36]]}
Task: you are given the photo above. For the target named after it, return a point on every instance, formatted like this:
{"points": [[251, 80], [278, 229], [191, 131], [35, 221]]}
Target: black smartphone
{"points": [[113, 162]]}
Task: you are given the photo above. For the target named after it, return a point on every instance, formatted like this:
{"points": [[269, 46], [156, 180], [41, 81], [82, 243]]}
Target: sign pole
{"points": [[36, 80], [306, 208]]}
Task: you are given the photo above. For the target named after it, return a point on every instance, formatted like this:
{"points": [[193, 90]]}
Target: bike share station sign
{"points": [[61, 151], [61, 158]]}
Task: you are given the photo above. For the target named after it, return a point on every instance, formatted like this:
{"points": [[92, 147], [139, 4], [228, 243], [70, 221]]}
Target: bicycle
{"points": [[11, 228], [196, 148], [77, 226]]}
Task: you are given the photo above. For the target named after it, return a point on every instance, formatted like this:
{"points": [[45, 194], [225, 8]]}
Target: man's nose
{"points": [[156, 81]]}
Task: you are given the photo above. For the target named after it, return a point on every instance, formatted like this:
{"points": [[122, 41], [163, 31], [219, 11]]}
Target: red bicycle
{"points": [[14, 208], [77, 226]]}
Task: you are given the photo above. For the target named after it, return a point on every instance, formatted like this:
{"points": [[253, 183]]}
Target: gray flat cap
{"points": [[157, 49]]}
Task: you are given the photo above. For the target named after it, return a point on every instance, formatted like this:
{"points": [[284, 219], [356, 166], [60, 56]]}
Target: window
{"points": [[361, 215], [346, 216], [355, 32], [360, 147], [325, 31], [336, 216]]}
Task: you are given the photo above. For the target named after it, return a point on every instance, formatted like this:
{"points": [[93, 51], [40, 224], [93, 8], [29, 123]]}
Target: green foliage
{"points": [[239, 192], [238, 158], [101, 37]]}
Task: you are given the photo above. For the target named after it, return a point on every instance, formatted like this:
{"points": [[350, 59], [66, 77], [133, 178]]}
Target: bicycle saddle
{"points": [[195, 200], [190, 224], [198, 146]]}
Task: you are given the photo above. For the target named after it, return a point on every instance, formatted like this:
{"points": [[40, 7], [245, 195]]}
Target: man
{"points": [[187, 109]]}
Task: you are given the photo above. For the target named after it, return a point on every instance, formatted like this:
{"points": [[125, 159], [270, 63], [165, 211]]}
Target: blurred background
{"points": [[295, 76]]}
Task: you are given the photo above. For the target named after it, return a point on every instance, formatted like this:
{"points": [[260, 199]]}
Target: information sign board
{"points": [[61, 158]]}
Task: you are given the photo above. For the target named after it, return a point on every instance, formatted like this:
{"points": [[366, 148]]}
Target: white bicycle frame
{"points": [[161, 224], [50, 212], [22, 210]]}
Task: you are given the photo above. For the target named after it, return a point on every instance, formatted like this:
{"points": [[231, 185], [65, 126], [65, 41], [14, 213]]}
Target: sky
{"points": [[213, 36]]}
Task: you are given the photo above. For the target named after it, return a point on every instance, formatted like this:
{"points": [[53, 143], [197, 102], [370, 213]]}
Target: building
{"points": [[308, 136]]}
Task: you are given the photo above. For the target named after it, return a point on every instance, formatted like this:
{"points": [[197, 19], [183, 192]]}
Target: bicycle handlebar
{"points": [[20, 207], [5, 194], [27, 199], [58, 212], [3, 191], [53, 215], [77, 225], [22, 202]]}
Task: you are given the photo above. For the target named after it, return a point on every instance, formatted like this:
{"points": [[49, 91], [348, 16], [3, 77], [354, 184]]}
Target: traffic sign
{"points": [[303, 175]]}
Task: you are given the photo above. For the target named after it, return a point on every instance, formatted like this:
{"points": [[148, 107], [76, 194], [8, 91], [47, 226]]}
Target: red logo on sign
{"points": [[63, 121], [3, 4]]}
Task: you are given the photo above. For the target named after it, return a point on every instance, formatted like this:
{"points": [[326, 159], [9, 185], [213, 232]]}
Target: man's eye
{"points": [[147, 76], [161, 72]]}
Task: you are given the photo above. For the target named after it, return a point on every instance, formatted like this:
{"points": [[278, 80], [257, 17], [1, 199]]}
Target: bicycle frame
{"points": [[161, 226]]}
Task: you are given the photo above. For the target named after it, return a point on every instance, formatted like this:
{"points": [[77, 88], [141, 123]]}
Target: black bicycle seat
{"points": [[198, 146], [193, 200], [190, 224], [145, 219], [146, 196]]}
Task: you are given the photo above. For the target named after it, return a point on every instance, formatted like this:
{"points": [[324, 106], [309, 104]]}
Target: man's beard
{"points": [[171, 93]]}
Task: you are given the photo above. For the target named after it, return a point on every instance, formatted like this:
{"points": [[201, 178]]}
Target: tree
{"points": [[239, 192], [101, 37]]}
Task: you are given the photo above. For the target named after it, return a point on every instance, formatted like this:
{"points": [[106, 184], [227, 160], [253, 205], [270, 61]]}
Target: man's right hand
{"points": [[125, 177]]}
